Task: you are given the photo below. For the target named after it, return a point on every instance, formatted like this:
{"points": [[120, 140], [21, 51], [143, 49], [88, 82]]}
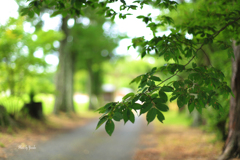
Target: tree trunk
{"points": [[64, 78], [90, 84], [197, 119], [94, 85], [5, 119], [232, 145]]}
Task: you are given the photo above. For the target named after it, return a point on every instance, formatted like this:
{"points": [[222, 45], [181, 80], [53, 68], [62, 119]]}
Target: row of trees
{"points": [[211, 22], [83, 52], [214, 27], [23, 65], [17, 55]]}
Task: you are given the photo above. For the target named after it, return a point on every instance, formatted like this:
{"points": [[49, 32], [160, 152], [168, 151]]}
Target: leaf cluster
{"points": [[203, 84]]}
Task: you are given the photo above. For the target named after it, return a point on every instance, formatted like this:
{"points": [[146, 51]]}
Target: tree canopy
{"points": [[205, 82], [17, 55], [208, 22]]}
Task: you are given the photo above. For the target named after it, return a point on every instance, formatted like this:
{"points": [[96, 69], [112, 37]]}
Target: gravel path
{"points": [[85, 143]]}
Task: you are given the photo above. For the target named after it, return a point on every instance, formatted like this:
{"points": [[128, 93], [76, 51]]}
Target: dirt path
{"points": [[86, 144], [132, 141], [178, 143]]}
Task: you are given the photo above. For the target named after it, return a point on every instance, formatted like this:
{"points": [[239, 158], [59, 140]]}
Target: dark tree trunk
{"points": [[94, 85], [5, 119], [34, 110], [64, 78], [232, 145]]}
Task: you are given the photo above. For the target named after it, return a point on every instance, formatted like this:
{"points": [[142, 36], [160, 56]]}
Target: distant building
{"points": [[108, 92]]}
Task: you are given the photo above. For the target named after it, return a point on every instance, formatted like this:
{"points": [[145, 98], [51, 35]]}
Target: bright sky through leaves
{"points": [[132, 26]]}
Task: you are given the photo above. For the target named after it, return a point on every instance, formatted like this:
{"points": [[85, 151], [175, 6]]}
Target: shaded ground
{"points": [[178, 143], [32, 132], [85, 143], [138, 142]]}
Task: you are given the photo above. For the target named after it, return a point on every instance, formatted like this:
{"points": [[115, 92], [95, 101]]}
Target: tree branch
{"points": [[217, 33], [200, 48]]}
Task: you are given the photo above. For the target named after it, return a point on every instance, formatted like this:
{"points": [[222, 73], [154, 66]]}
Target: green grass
{"points": [[14, 104], [2, 145], [81, 107], [48, 104], [176, 118]]}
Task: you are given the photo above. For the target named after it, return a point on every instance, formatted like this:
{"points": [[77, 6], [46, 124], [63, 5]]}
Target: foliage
{"points": [[17, 60], [13, 104], [204, 83], [48, 103], [212, 55], [89, 54], [122, 70], [90, 47]]}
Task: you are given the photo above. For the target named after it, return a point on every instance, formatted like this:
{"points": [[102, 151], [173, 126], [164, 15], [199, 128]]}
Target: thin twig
{"points": [[207, 57], [180, 77], [200, 48], [217, 33], [196, 49]]}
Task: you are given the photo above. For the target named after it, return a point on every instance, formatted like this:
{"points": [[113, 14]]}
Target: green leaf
{"points": [[198, 106], [125, 116], [55, 13], [176, 84], [128, 115], [150, 83], [37, 11], [167, 89], [24, 11], [181, 101], [106, 112], [136, 80], [101, 121], [100, 110], [117, 116], [143, 54], [136, 106], [129, 95], [139, 17], [163, 96], [108, 105], [191, 107], [123, 1], [146, 107], [173, 98], [199, 109], [232, 94], [160, 116], [31, 14], [159, 100], [72, 2], [194, 65], [131, 116], [136, 98], [109, 127], [151, 115], [155, 95], [162, 107], [155, 78]]}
